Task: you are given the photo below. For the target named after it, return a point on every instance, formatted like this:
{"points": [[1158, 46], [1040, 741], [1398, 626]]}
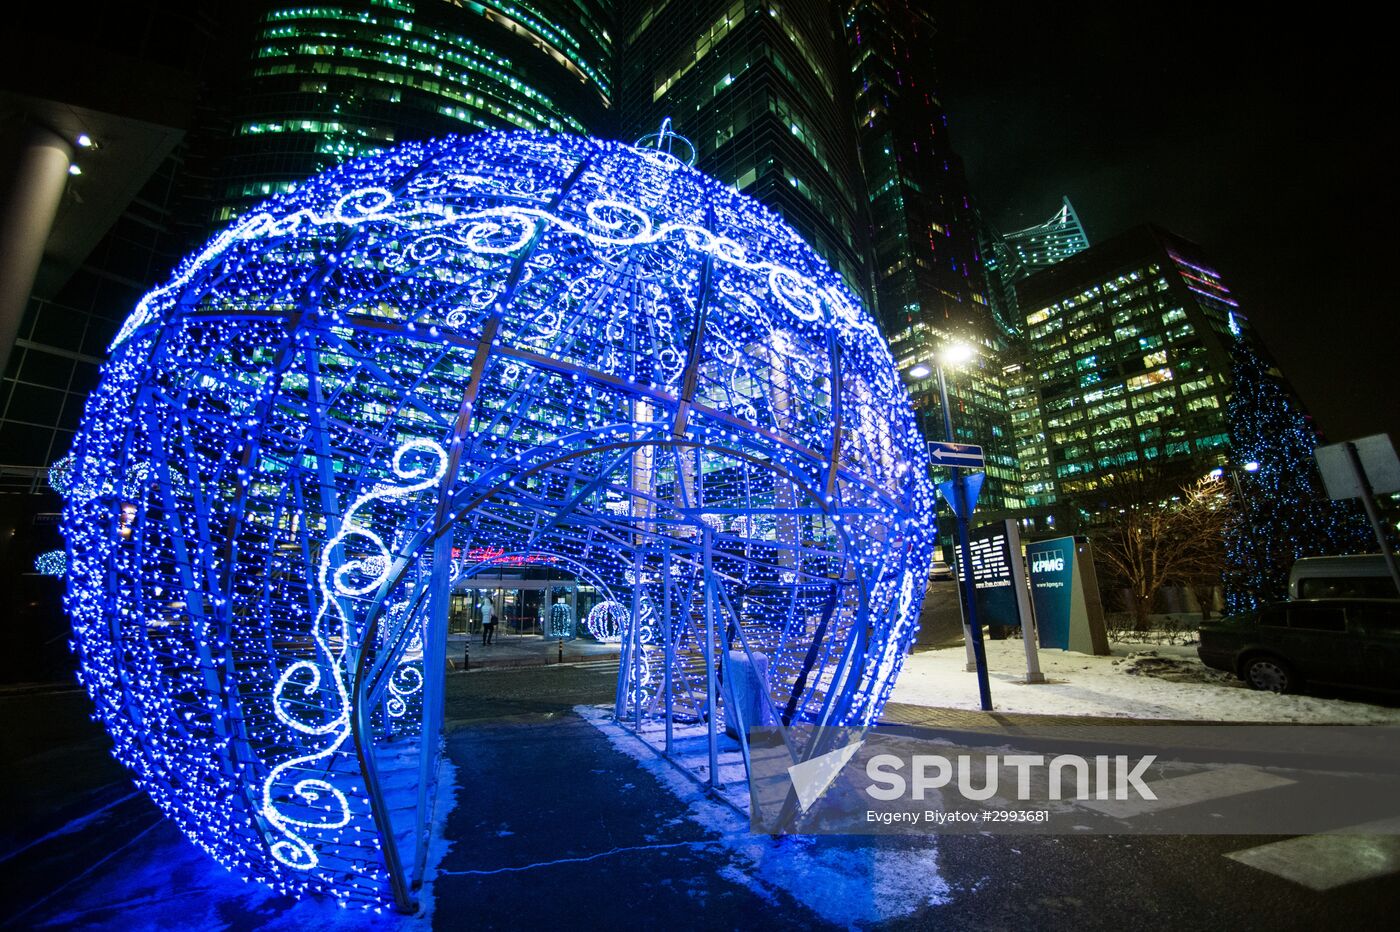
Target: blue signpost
{"points": [[963, 498]]}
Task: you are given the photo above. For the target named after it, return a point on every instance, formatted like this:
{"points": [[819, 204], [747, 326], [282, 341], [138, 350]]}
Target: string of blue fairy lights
{"points": [[508, 343]]}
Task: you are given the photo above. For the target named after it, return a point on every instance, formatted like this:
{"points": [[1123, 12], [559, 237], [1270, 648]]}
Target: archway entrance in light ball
{"points": [[504, 341]]}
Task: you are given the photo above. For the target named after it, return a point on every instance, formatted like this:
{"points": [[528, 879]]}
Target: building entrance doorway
{"points": [[554, 608]]}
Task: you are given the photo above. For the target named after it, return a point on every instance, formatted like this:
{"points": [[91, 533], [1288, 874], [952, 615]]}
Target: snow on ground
{"points": [[846, 881], [1135, 681]]}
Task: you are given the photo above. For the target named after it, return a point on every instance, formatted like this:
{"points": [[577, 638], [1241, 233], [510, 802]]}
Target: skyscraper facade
{"points": [[195, 112], [930, 288], [334, 80], [250, 99], [761, 89], [927, 260], [1130, 344], [1009, 258], [1042, 245]]}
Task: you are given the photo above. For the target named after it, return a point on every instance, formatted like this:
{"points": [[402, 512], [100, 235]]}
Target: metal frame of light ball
{"points": [[514, 341]]}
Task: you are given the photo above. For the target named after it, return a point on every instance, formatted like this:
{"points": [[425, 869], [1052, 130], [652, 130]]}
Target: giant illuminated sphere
{"points": [[551, 346]]}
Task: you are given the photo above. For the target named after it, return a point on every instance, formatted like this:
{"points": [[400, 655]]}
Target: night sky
{"points": [[1267, 138]]}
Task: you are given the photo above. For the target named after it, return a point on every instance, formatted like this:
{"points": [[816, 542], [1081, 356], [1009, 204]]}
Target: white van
{"points": [[1358, 576]]}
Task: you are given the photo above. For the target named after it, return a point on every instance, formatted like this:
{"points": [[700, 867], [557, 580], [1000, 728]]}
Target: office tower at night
{"points": [[330, 81], [1130, 343], [1042, 245], [927, 261], [196, 112], [213, 111], [761, 88], [930, 289], [1009, 258]]}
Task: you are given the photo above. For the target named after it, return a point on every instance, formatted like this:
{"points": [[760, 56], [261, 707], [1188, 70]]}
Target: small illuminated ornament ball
{"points": [[606, 621]]}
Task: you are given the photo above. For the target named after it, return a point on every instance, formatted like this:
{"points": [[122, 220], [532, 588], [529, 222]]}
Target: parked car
{"points": [[940, 570], [1340, 642]]}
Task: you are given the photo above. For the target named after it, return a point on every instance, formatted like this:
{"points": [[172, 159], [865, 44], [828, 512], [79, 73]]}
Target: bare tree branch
{"points": [[1159, 531]]}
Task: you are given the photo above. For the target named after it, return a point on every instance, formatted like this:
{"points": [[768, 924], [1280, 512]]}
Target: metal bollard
{"points": [[561, 650], [467, 654]]}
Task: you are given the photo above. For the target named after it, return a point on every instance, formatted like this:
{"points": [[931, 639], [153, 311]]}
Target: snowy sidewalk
{"points": [[1116, 686]]}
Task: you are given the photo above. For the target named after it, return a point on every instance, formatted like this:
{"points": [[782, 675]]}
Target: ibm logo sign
{"points": [[1048, 561]]}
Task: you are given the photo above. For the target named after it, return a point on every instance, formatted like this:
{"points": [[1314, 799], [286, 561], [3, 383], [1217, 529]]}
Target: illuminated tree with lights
{"points": [[1283, 511], [555, 348]]}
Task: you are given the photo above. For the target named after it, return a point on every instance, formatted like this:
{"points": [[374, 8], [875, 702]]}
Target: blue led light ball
{"points": [[574, 350]]}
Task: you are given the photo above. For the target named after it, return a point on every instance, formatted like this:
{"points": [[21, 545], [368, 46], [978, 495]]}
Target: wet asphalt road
{"points": [[532, 768], [554, 828]]}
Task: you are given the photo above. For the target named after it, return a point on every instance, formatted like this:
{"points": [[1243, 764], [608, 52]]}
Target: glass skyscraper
{"points": [[927, 262], [277, 92], [235, 102], [330, 81], [1130, 345], [930, 288], [1009, 258], [761, 88], [1042, 245]]}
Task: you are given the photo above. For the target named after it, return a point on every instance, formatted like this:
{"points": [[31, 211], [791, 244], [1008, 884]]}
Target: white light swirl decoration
{"points": [[407, 678], [331, 633], [649, 646], [504, 230], [411, 679]]}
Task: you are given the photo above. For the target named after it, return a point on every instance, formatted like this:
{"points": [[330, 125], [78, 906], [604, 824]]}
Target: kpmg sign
{"points": [[1049, 561], [1064, 591]]}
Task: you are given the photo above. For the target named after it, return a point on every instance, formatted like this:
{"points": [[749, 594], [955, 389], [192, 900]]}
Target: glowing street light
{"points": [[1246, 510], [955, 354]]}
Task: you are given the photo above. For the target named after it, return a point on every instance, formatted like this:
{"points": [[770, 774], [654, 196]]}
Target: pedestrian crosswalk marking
{"points": [[1175, 792], [1322, 862]]}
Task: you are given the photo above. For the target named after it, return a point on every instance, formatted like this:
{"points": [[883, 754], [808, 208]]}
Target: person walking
{"points": [[488, 621]]}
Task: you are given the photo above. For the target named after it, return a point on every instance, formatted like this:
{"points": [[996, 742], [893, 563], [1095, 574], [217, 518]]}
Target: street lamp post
{"points": [[961, 514], [1250, 467], [1245, 510]]}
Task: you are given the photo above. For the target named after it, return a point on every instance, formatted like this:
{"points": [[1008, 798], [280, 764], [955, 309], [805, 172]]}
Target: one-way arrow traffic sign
{"points": [[964, 455]]}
